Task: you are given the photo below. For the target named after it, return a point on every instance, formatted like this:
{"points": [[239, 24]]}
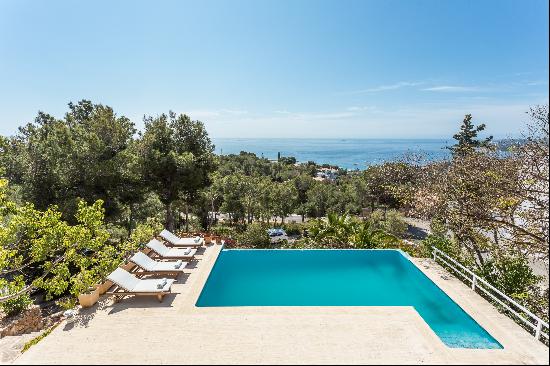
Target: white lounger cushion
{"points": [[151, 265], [131, 283], [182, 253], [176, 240], [151, 285], [164, 251]]}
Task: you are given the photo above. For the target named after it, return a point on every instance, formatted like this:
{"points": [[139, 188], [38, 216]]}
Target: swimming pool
{"points": [[339, 278]]}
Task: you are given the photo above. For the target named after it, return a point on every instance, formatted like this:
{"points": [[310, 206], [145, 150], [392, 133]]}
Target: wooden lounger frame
{"points": [[169, 244], [154, 254], [142, 272], [137, 271], [119, 293]]}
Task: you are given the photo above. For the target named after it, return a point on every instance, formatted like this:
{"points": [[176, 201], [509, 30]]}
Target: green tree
{"points": [[533, 156], [391, 221], [343, 197], [210, 202], [40, 250], [266, 200], [389, 184], [86, 155], [284, 199], [317, 198], [176, 159], [467, 140], [511, 274], [287, 160], [302, 183], [232, 196], [246, 163], [251, 190], [493, 210]]}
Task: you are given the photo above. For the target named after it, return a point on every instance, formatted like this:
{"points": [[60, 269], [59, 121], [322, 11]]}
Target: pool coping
{"points": [[503, 329], [405, 256]]}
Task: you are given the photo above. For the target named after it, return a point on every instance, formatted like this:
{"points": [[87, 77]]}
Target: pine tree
{"points": [[467, 140]]}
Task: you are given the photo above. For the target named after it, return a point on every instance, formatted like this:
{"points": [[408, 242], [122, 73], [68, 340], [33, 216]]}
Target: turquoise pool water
{"points": [[339, 278]]}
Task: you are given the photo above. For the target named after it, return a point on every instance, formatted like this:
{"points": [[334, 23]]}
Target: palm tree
{"points": [[335, 230], [364, 235], [344, 230]]}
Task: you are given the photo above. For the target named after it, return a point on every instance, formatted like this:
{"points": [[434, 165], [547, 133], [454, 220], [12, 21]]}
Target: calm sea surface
{"points": [[346, 153]]}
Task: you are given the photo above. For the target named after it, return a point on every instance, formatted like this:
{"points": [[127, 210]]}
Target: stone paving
{"points": [[142, 330]]}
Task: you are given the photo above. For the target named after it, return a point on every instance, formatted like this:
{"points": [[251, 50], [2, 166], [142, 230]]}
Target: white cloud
{"points": [[202, 114], [236, 112], [320, 116], [453, 88], [431, 120], [382, 88], [216, 113], [537, 82], [361, 108], [523, 73]]}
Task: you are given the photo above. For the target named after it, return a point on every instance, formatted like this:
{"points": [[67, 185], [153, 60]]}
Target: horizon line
{"points": [[495, 138]]}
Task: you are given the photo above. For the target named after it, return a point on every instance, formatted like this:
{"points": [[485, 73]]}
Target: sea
{"points": [[349, 154]]}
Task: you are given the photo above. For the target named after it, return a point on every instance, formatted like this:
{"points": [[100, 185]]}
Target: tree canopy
{"points": [[467, 140], [86, 155], [176, 157]]}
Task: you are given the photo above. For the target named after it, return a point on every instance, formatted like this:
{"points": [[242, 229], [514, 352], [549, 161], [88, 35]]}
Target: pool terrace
{"points": [[141, 330]]}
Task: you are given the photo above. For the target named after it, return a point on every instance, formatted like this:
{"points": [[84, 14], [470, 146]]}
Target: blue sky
{"points": [[404, 69]]}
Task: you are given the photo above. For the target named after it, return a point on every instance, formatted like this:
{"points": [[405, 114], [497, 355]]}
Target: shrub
{"points": [[254, 235], [142, 234], [292, 228], [304, 243], [193, 224], [391, 221], [376, 219], [18, 304], [437, 227], [223, 230], [446, 245], [511, 274], [395, 224], [410, 248], [116, 233]]}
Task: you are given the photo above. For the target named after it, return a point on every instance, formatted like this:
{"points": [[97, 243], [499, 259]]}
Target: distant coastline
{"points": [[343, 152]]}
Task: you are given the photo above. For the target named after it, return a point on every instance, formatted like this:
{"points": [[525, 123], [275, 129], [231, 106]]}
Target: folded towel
{"points": [[197, 239], [187, 251], [162, 283], [178, 264]]}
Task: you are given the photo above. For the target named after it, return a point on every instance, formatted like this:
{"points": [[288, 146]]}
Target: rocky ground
{"points": [[11, 346], [16, 331]]}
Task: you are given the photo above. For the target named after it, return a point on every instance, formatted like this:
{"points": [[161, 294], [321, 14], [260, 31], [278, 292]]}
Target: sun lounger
{"points": [[164, 252], [126, 284], [174, 240], [150, 266]]}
